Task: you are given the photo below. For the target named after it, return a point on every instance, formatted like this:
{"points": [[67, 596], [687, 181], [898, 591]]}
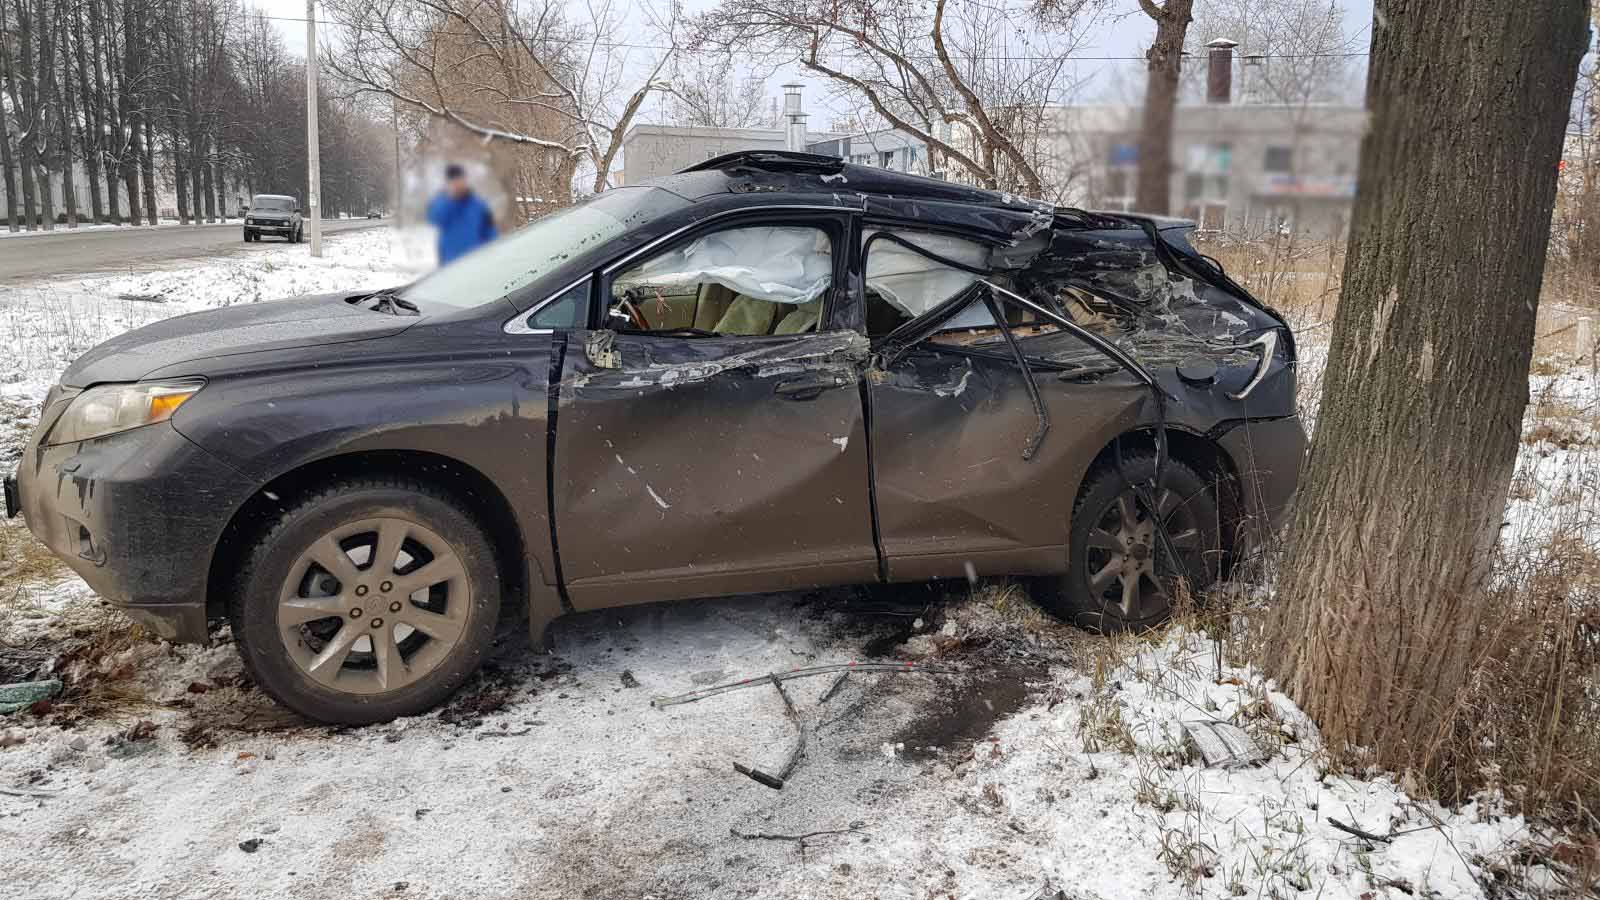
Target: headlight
{"points": [[111, 408]]}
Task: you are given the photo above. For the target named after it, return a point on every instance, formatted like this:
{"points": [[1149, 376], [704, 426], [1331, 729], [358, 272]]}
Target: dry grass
{"points": [[23, 559]]}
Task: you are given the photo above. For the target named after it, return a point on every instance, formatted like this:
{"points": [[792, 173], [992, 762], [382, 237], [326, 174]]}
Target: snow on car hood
{"points": [[277, 325]]}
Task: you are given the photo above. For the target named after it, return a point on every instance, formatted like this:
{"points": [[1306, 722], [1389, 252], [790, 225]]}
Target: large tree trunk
{"points": [[210, 192], [181, 181], [196, 164], [30, 168], [128, 159], [220, 184], [1153, 193], [147, 163], [1384, 585], [89, 102], [69, 188], [7, 163], [108, 128]]}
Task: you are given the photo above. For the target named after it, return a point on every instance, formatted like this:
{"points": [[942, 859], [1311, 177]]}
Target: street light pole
{"points": [[394, 123], [314, 200]]}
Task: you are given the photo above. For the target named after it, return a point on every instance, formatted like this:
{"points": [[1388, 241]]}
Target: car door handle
{"points": [[808, 388]]}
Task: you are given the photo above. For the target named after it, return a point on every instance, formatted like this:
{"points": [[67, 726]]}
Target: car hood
{"points": [[247, 328]]}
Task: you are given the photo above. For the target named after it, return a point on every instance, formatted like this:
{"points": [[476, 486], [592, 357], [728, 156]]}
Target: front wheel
{"points": [[1120, 575], [368, 600]]}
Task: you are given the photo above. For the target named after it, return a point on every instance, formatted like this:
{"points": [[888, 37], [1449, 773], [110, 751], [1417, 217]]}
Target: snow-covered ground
{"points": [[555, 777], [1025, 758], [48, 324]]}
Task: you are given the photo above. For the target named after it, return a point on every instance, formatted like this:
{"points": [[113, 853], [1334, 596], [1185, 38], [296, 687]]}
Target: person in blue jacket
{"points": [[463, 220]]}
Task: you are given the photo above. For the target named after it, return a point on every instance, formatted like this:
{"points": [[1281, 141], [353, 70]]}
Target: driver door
{"points": [[709, 437]]}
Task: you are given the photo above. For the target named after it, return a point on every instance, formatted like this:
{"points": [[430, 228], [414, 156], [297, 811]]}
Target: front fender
{"points": [[485, 409]]}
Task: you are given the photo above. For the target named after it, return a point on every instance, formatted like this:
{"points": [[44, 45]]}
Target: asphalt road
{"points": [[66, 252]]}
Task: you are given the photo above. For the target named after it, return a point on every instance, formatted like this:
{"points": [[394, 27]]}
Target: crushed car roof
{"points": [[809, 177]]}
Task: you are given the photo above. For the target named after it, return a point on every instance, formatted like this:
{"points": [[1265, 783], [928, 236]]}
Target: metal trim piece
{"points": [[518, 324], [1268, 342], [1099, 343]]}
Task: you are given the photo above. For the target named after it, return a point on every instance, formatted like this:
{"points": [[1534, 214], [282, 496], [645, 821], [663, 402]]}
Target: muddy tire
{"points": [[1118, 578], [372, 598]]}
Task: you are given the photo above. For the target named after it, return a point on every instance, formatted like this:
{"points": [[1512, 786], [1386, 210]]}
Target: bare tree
{"points": [[973, 80], [706, 91], [1164, 60], [1294, 52], [1381, 615], [504, 70]]}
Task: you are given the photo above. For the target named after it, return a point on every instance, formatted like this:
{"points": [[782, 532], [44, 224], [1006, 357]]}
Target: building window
{"points": [[1279, 160], [1193, 186], [886, 158]]}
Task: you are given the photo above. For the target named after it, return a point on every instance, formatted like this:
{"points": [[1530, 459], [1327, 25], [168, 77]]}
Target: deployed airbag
{"points": [[777, 264]]}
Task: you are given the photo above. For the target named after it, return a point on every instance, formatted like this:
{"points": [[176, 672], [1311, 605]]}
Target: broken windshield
{"points": [[539, 248]]}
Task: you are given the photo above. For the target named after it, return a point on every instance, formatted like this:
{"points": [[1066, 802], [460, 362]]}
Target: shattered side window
{"points": [[902, 284], [750, 281]]}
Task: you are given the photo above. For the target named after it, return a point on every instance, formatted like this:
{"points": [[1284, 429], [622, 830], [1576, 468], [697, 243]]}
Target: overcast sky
{"points": [[1122, 32]]}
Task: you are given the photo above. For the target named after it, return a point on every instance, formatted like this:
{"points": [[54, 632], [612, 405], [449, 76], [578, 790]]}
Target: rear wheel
{"points": [[369, 600], [1120, 576]]}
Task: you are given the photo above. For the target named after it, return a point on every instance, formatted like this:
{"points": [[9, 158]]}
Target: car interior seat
{"points": [[748, 316]]}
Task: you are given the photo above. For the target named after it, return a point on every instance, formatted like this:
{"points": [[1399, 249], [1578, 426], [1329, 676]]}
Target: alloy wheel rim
{"points": [[373, 605], [1123, 549]]}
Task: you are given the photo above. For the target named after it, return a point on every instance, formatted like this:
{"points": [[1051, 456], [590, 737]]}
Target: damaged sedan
{"points": [[771, 371]]}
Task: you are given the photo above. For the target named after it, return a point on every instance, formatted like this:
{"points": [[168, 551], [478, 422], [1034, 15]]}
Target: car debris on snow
{"points": [[20, 696], [1223, 746]]}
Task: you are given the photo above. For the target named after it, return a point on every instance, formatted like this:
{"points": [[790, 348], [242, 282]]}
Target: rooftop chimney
{"points": [[794, 120], [1219, 71]]}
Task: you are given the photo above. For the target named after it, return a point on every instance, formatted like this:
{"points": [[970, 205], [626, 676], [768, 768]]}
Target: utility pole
{"points": [[394, 123], [314, 200]]}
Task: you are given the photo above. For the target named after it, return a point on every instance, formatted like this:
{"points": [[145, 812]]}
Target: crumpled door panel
{"points": [[952, 486], [683, 468]]}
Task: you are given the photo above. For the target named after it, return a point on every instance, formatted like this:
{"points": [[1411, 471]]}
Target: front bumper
{"points": [[270, 227], [137, 516], [1268, 456]]}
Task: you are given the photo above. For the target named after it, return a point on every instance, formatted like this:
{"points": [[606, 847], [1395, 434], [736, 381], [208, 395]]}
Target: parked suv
{"points": [[772, 371], [273, 214]]}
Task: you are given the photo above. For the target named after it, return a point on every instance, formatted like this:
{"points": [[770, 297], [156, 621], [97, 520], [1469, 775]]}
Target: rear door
{"points": [[955, 494], [709, 439]]}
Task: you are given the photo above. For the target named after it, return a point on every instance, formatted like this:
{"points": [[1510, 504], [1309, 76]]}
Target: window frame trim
{"points": [[807, 217], [517, 324]]}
